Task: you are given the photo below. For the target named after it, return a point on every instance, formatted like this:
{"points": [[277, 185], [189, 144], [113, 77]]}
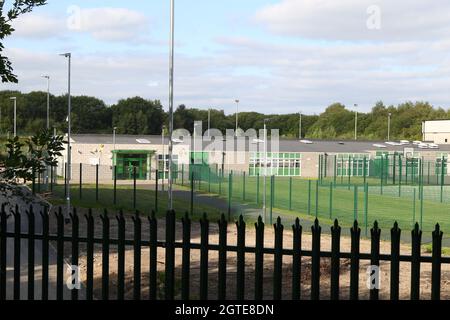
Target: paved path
{"points": [[23, 199]]}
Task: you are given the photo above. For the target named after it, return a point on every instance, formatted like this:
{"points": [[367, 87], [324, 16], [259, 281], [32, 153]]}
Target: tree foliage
{"points": [[139, 116], [43, 150], [18, 7]]}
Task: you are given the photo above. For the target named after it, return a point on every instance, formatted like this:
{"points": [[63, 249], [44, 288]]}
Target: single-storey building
{"points": [[437, 131], [122, 154]]}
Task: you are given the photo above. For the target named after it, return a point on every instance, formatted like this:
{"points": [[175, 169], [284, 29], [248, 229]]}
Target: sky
{"points": [[275, 56]]}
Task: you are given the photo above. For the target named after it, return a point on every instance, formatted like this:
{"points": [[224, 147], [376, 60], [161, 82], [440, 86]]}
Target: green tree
{"points": [[43, 151], [18, 7], [138, 116]]}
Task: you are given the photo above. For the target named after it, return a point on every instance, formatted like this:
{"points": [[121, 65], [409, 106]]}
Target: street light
{"points": [[114, 137], [171, 68], [209, 120], [237, 114], [69, 60], [48, 99], [356, 121], [300, 127], [389, 126], [265, 170], [163, 142], [15, 115]]}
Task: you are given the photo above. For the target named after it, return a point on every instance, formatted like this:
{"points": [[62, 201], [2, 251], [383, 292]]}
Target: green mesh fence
{"points": [[386, 200]]}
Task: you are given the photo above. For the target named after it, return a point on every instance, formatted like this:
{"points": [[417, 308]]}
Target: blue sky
{"points": [[274, 55]]}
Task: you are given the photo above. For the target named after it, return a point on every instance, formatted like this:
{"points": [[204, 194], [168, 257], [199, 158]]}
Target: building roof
{"points": [[285, 145]]}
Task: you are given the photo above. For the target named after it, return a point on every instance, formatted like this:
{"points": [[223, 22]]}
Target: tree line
{"points": [[139, 116]]}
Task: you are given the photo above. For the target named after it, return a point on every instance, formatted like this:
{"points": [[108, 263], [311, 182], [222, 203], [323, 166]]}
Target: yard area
{"points": [[345, 203], [145, 200]]}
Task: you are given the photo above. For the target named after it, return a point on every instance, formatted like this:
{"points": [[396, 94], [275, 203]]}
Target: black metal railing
{"points": [[170, 244]]}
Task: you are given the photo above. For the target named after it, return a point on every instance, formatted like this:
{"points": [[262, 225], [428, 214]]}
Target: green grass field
{"points": [[384, 206], [145, 200]]}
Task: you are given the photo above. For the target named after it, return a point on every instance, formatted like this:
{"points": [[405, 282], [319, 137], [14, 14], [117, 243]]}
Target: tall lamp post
{"points": [[171, 68], [15, 115], [209, 121], [389, 126], [114, 137], [48, 100], [265, 170], [163, 142], [356, 121], [237, 114], [300, 127], [68, 175]]}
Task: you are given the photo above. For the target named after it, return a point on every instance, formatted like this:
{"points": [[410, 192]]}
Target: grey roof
{"points": [[285, 145]]}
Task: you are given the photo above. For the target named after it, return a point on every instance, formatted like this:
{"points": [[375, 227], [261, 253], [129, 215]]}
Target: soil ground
{"points": [[250, 264]]}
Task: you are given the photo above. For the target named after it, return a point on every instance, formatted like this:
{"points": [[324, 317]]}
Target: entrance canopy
{"points": [[127, 160]]}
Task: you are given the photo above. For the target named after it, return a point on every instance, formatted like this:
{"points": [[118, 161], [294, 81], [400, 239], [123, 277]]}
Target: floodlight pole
{"points": [[68, 175], [163, 142], [389, 126], [171, 68], [209, 120], [237, 115], [356, 122], [300, 127], [48, 100], [114, 137], [265, 171]]}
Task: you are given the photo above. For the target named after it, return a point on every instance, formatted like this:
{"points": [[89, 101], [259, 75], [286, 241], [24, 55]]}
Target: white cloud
{"points": [[37, 26], [103, 24], [348, 19], [110, 24]]}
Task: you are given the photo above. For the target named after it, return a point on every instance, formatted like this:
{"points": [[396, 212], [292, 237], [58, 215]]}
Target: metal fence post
{"points": [[96, 182], [317, 199], [81, 181], [442, 178], [400, 176], [436, 264], [315, 261], [355, 203], [243, 186], [364, 169], [416, 237], [290, 193], [375, 256], [366, 206], [257, 188], [134, 187], [204, 243], [335, 169], [156, 190], [271, 199], [278, 260], [169, 279], [381, 174], [230, 191], [414, 206], [309, 196], [354, 261], [192, 193], [331, 200], [186, 257], [349, 171], [182, 174], [395, 262], [115, 184]]}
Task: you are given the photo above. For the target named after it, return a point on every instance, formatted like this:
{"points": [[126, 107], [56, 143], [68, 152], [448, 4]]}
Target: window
{"points": [[278, 164]]}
